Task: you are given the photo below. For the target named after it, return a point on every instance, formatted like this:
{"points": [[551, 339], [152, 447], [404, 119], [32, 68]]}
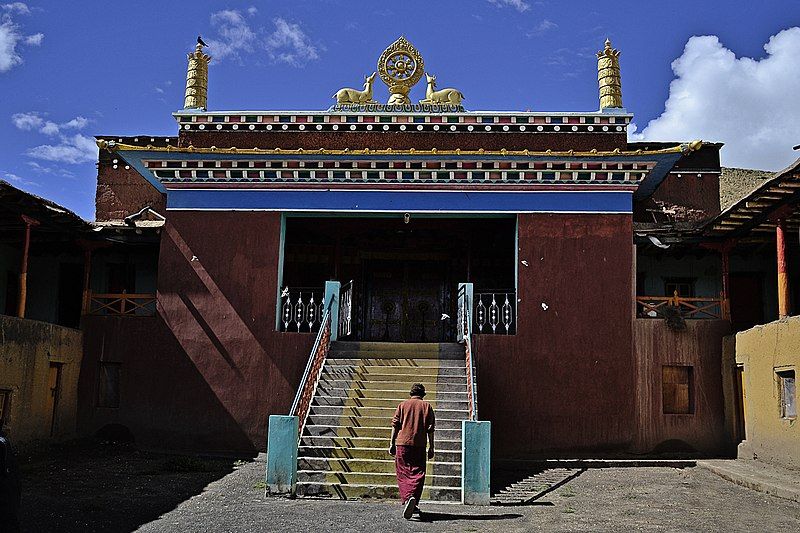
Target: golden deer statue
{"points": [[354, 96], [445, 96]]}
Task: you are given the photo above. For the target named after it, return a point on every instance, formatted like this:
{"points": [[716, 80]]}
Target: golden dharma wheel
{"points": [[400, 67]]}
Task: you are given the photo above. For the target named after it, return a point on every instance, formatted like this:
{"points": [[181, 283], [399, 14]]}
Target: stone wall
{"points": [[32, 354], [764, 351]]}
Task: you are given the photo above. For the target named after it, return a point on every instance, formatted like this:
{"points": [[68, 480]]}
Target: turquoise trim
{"points": [[279, 288], [282, 454], [476, 461], [332, 289]]}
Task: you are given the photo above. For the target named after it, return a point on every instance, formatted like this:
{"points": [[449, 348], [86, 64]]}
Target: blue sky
{"points": [[71, 70]]}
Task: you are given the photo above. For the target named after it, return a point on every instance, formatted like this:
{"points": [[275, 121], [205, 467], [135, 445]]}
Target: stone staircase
{"points": [[344, 445]]}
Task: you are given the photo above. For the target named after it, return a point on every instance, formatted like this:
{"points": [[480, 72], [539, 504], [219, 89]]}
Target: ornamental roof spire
{"points": [[196, 96], [608, 77]]}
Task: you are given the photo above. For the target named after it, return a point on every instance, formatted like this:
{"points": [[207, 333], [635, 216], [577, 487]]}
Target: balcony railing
{"points": [[122, 304], [495, 312], [687, 307], [301, 309]]}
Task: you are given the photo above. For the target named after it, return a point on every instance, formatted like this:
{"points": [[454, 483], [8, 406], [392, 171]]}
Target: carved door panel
{"points": [[404, 301], [383, 296]]}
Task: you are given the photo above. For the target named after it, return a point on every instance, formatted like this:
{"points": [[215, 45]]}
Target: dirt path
{"points": [[115, 489]]}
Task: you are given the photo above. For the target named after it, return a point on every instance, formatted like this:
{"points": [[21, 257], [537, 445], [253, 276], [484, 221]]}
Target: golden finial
{"points": [[608, 77], [196, 96]]}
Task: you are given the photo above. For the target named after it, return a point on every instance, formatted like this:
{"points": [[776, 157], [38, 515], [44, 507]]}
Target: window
{"points": [[788, 393], [677, 390], [108, 386], [683, 286], [5, 404]]}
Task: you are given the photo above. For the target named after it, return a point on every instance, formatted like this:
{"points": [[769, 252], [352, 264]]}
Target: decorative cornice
{"points": [[681, 148]]}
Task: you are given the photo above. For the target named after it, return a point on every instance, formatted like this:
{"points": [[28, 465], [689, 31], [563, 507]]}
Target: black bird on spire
{"points": [[200, 41]]}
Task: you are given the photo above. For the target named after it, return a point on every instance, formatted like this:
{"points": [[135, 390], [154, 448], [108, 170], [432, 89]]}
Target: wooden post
{"points": [[725, 307], [87, 273], [783, 278], [23, 269]]}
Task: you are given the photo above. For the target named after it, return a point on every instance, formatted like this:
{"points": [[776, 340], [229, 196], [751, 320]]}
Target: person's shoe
{"points": [[411, 504]]}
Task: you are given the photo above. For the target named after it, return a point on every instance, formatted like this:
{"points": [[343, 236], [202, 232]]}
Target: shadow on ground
{"points": [[91, 486], [451, 517]]}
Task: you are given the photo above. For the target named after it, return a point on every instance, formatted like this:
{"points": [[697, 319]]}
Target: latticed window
{"points": [[676, 390], [108, 385], [788, 392]]}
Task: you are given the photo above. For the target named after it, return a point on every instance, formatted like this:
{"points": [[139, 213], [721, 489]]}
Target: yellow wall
{"points": [[762, 350], [27, 349]]}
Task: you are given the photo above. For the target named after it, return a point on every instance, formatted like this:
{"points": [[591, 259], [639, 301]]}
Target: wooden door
{"points": [[404, 301]]}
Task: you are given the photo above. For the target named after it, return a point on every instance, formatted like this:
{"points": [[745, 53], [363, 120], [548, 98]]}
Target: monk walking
{"points": [[412, 425]]}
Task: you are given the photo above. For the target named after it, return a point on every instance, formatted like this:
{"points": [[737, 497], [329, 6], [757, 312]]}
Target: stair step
{"points": [[442, 384], [382, 412], [336, 401], [382, 370], [375, 432], [369, 442], [334, 419], [386, 466], [400, 349], [366, 453], [395, 362], [403, 380], [324, 388], [370, 478], [354, 491]]}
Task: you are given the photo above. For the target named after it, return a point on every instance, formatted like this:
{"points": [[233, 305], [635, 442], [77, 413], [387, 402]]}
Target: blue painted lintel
{"points": [[476, 460], [282, 454]]}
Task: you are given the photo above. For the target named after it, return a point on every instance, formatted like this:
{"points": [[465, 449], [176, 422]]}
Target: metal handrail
{"points": [[316, 356], [465, 331]]}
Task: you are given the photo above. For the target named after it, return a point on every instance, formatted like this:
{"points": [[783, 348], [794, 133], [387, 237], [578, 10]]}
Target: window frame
{"points": [[783, 375], [103, 404], [690, 385]]}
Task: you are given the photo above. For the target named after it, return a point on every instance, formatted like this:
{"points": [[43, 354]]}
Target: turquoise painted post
{"points": [[332, 289], [476, 461], [282, 454]]}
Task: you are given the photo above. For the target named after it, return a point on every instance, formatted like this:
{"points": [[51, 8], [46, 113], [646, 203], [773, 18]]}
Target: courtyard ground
{"points": [[113, 488]]}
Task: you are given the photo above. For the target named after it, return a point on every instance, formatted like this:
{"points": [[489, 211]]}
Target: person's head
{"points": [[417, 389]]}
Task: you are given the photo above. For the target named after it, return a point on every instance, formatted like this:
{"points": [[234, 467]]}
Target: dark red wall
{"points": [[122, 191], [209, 369], [698, 346], [402, 140], [566, 381]]}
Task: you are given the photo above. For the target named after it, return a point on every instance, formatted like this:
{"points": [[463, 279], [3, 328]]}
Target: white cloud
{"points": [[17, 7], [749, 104], [519, 5], [289, 44], [35, 121], [11, 36], [18, 180], [543, 27], [27, 121], [252, 10], [234, 34], [72, 150]]}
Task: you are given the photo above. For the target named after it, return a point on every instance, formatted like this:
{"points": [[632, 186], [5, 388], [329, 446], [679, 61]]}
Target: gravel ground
{"points": [[124, 490]]}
